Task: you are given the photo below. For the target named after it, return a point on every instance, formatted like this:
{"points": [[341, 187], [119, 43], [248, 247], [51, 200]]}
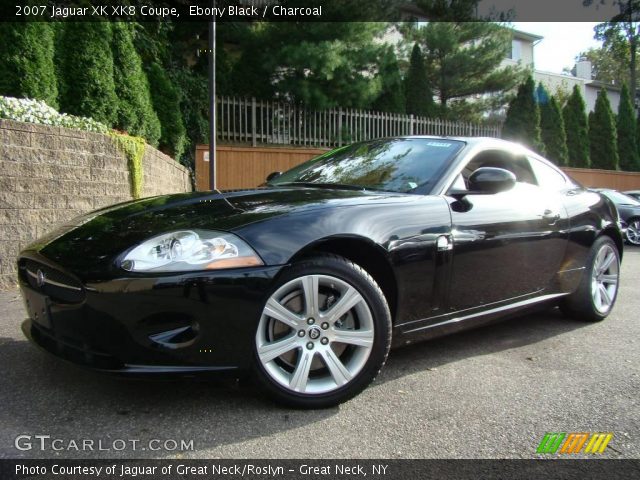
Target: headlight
{"points": [[190, 250]]}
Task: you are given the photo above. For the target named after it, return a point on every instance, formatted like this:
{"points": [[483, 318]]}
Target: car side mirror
{"points": [[490, 180], [273, 175]]}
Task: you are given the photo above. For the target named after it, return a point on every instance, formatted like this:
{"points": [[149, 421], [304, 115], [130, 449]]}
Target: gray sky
{"points": [[562, 42]]}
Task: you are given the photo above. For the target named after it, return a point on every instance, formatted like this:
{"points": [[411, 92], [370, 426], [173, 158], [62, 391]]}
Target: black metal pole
{"points": [[212, 101]]}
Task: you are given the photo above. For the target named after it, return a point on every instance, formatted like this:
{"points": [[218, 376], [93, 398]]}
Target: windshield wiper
{"points": [[345, 186]]}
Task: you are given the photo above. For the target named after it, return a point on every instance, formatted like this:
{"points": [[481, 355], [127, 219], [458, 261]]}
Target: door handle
{"points": [[551, 216]]}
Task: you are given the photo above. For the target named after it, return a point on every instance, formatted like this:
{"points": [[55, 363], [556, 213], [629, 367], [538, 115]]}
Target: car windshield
{"points": [[621, 198], [396, 165]]}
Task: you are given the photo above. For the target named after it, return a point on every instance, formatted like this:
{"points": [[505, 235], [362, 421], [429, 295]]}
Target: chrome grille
{"points": [[58, 286]]}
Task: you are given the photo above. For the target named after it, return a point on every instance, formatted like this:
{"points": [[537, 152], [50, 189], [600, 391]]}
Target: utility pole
{"points": [[212, 100]]}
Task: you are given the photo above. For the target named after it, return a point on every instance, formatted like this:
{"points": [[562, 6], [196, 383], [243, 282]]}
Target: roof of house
{"points": [[599, 84], [530, 37]]}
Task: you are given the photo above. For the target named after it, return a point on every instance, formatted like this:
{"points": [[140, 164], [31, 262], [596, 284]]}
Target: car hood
{"points": [[89, 245]]}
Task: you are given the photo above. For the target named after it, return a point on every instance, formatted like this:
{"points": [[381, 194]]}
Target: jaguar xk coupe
{"points": [[307, 281]]}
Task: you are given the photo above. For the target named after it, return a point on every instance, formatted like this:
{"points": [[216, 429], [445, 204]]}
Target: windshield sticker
{"points": [[439, 144]]}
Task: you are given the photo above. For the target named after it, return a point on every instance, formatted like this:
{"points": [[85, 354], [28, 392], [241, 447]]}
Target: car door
{"points": [[506, 245]]}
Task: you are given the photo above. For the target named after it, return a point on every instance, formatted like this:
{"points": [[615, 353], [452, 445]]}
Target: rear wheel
{"points": [[598, 289], [323, 335], [633, 231]]}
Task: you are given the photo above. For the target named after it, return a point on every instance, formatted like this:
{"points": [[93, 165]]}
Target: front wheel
{"points": [[323, 335], [598, 289], [633, 231]]}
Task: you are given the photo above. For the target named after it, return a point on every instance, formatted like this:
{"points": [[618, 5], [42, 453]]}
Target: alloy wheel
{"points": [[315, 334], [604, 278], [633, 232]]}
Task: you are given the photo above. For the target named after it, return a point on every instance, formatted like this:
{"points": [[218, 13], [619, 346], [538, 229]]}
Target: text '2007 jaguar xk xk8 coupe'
{"points": [[309, 280]]}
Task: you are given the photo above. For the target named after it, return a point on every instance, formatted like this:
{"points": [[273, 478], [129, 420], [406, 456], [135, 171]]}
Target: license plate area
{"points": [[39, 309]]}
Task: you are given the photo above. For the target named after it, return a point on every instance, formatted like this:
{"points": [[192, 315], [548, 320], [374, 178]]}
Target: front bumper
{"points": [[180, 324]]}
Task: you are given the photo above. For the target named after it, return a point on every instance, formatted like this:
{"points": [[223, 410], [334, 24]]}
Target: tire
{"points": [[596, 295], [317, 350], [633, 231]]}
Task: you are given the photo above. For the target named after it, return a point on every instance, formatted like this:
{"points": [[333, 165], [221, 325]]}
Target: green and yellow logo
{"points": [[574, 442]]}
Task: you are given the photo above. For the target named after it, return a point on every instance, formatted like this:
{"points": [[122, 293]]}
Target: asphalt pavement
{"points": [[488, 393]]}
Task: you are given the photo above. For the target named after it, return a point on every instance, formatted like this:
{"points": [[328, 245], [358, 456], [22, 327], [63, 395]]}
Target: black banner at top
{"points": [[315, 10]]}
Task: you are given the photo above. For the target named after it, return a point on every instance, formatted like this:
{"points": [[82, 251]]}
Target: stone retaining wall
{"points": [[51, 174]]}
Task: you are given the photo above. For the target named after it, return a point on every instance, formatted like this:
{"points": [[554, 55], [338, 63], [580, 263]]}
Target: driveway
{"points": [[488, 393]]}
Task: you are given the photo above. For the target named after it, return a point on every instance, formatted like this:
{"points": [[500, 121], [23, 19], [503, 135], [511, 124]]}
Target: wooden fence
{"points": [[247, 167], [254, 122], [605, 178]]}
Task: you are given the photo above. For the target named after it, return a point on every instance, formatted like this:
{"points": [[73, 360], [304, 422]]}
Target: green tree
{"points": [[135, 109], [166, 101], [552, 132], [621, 35], [419, 98], [322, 65], [85, 71], [463, 66], [575, 124], [602, 135], [627, 135], [26, 61], [194, 107], [638, 131], [392, 97], [609, 64], [523, 118]]}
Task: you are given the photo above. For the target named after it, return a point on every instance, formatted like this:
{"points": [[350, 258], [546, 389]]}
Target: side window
{"points": [[548, 177], [518, 165]]}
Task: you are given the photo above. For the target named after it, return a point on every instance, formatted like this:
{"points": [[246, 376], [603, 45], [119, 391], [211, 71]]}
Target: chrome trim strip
{"points": [[54, 283], [511, 306]]}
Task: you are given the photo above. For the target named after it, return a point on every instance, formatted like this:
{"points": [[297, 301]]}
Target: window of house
{"points": [[516, 50]]}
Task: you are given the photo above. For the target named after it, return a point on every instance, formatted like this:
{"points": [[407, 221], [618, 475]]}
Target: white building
{"points": [[523, 54]]}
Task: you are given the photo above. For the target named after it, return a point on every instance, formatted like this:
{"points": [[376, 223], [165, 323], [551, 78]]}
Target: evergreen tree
{"points": [[391, 98], [323, 65], [166, 101], [419, 98], [135, 109], [26, 61], [638, 131], [575, 124], [627, 135], [602, 135], [552, 132], [464, 66], [85, 71], [523, 118]]}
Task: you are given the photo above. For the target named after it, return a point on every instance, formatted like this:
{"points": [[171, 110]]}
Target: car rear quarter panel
{"points": [[591, 214]]}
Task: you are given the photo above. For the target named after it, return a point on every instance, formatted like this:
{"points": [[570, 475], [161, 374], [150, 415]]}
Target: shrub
{"points": [[418, 94], [135, 110], [85, 71], [602, 135], [166, 101], [627, 136], [575, 124], [523, 118], [552, 130], [26, 61]]}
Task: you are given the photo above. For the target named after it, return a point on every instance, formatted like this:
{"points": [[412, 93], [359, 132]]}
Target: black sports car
{"points": [[633, 193], [628, 210], [308, 281]]}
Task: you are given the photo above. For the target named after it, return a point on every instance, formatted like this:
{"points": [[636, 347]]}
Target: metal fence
{"points": [[251, 121]]}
